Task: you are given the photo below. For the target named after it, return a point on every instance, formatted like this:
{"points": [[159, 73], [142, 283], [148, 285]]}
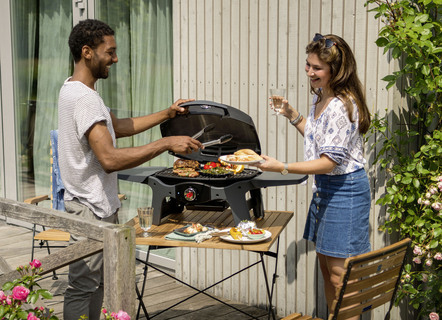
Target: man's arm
{"points": [[115, 159], [130, 126]]}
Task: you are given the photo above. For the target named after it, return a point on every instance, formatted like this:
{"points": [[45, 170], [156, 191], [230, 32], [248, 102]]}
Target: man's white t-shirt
{"points": [[79, 107]]}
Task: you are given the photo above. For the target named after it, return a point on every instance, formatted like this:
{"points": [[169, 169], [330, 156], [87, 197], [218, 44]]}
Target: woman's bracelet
{"points": [[297, 120]]}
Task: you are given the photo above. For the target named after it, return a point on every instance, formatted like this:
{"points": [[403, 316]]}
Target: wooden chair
{"points": [[370, 280]]}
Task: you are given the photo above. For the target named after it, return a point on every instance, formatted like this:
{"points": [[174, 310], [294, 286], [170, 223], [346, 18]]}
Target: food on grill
{"points": [[186, 168], [186, 172], [216, 171], [195, 228], [244, 155], [181, 163], [210, 165], [235, 233]]}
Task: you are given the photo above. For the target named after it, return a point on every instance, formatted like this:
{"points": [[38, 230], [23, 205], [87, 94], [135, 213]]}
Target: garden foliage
{"points": [[411, 158]]}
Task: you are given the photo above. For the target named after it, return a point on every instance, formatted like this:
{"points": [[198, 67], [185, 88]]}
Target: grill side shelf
{"points": [[138, 174]]}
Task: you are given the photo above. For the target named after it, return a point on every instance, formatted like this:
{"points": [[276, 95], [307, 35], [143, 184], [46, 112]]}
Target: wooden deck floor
{"points": [[161, 291]]}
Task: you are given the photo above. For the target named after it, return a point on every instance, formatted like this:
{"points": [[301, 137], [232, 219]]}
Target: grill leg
{"points": [[237, 201], [255, 203]]}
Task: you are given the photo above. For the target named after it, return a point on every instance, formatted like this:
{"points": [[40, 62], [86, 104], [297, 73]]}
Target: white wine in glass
{"points": [[145, 216], [277, 95]]}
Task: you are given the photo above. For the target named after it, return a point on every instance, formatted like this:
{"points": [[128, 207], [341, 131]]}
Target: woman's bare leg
{"points": [[332, 268]]}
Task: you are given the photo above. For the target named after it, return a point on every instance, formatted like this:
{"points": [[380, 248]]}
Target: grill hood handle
{"points": [[225, 138]]}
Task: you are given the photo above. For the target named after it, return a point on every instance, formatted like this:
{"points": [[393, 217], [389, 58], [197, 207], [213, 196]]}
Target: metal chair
{"points": [[370, 280]]}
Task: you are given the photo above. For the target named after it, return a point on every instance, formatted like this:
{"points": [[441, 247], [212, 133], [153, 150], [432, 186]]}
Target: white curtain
{"points": [[141, 82], [54, 66]]}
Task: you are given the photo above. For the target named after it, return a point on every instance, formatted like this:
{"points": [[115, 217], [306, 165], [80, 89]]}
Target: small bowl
{"points": [[256, 236]]}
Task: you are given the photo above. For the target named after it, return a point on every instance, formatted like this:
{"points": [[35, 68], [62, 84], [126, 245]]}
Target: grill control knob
{"points": [[190, 194]]}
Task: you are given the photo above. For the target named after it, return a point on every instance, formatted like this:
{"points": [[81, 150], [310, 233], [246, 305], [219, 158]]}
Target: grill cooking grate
{"points": [[168, 176]]}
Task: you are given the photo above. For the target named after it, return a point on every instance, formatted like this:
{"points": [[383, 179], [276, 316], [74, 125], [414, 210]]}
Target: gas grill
{"points": [[242, 192]]}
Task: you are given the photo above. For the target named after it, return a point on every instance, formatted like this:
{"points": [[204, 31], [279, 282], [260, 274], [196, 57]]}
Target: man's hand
{"points": [[175, 108], [183, 144]]}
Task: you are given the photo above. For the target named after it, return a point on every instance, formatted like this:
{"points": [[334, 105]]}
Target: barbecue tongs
{"points": [[225, 138]]}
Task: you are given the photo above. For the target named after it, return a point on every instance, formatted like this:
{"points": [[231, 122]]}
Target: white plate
{"points": [[246, 240], [223, 158]]}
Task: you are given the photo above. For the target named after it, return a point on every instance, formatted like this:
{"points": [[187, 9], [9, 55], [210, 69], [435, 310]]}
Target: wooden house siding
{"points": [[233, 52]]}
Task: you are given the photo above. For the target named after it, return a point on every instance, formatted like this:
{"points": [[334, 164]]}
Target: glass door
{"points": [[41, 62]]}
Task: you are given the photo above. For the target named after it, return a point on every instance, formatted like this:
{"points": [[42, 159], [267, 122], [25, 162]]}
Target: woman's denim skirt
{"points": [[338, 218]]}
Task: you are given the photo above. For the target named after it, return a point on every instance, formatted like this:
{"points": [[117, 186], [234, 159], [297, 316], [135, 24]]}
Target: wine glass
{"points": [[145, 216], [277, 95]]}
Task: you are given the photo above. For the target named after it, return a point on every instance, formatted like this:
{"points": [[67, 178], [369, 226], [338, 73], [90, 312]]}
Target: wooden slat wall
{"points": [[232, 52]]}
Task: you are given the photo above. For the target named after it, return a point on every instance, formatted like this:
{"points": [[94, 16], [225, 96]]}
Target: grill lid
{"points": [[227, 120]]}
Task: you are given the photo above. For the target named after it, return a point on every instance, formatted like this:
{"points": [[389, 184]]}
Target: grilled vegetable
{"points": [[235, 233]]}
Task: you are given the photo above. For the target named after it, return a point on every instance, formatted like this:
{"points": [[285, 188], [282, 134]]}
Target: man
{"points": [[88, 157]]}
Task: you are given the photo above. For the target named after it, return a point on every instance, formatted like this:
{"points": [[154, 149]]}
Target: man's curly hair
{"points": [[87, 32]]}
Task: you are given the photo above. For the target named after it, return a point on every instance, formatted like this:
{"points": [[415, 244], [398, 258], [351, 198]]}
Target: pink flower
{"points": [[428, 195], [433, 316], [427, 202], [31, 316], [2, 295], [104, 311], [417, 250], [35, 263], [433, 190], [417, 260], [424, 277], [114, 315], [436, 206], [438, 256], [428, 263], [20, 293], [121, 315]]}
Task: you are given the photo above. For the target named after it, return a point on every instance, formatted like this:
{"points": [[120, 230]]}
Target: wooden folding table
{"points": [[274, 221]]}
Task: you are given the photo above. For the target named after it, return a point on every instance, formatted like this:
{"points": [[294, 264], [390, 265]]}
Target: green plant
{"points": [[411, 158], [16, 296]]}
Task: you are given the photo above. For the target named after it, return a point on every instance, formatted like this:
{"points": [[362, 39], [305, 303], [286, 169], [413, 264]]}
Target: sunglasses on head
{"points": [[328, 43]]}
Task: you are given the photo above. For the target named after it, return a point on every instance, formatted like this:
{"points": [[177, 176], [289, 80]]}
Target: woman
{"points": [[338, 217]]}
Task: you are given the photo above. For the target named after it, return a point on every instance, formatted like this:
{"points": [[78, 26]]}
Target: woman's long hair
{"points": [[344, 81]]}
